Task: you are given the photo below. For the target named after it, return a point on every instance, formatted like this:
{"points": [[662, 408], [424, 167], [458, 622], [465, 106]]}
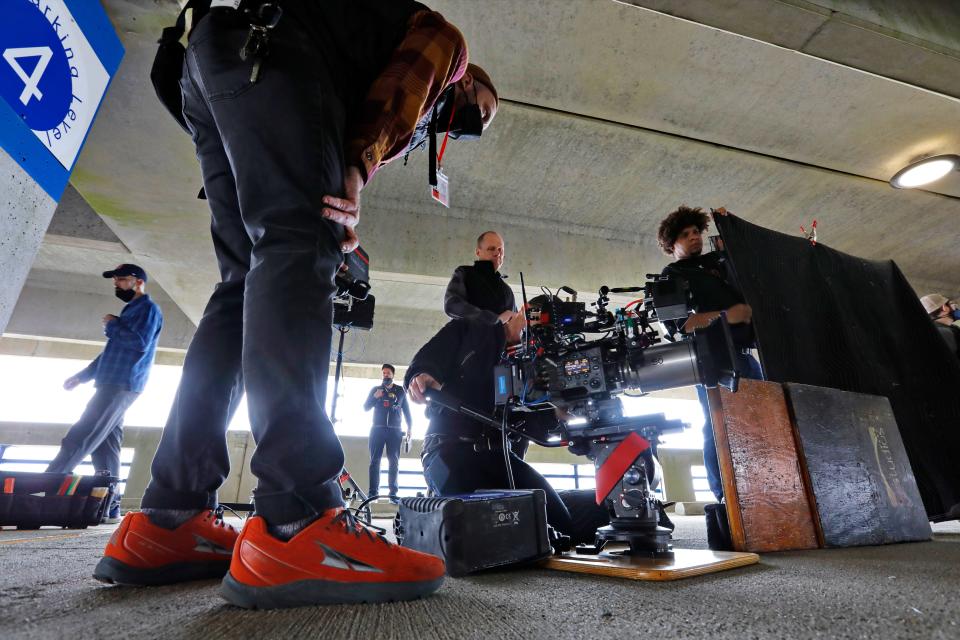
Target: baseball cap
{"points": [[933, 301], [123, 270], [482, 76]]}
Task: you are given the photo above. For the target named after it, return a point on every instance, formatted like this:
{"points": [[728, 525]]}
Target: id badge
{"points": [[441, 192]]}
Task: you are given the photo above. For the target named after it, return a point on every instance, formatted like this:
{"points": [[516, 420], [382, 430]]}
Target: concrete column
{"points": [[25, 213], [677, 481]]}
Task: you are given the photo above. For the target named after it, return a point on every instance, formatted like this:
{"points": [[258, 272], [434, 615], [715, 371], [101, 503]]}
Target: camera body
{"points": [[559, 362], [560, 387]]}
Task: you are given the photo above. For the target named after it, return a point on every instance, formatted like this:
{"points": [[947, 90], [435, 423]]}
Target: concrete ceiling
{"points": [[612, 115]]}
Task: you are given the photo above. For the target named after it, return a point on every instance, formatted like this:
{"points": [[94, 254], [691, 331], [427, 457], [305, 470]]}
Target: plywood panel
{"points": [[767, 503], [860, 476], [685, 563]]}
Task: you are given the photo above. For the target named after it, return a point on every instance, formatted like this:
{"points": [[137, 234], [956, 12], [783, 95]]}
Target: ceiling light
{"points": [[924, 171]]}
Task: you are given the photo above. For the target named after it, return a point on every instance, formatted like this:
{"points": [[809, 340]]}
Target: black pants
{"points": [[750, 369], [456, 468], [98, 433], [388, 438], [268, 153]]}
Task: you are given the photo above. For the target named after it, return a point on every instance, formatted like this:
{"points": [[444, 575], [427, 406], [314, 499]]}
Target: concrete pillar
{"points": [[677, 481], [25, 212]]}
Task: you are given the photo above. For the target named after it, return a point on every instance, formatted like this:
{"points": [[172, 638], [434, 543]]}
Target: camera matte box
{"points": [[476, 531]]}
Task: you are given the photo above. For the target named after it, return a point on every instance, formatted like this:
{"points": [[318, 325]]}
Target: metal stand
{"points": [[337, 373]]}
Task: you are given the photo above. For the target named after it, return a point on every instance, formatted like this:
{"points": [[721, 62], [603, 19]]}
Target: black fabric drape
{"points": [[829, 319]]}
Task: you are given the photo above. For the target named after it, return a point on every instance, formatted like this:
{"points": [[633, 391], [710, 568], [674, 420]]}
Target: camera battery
{"points": [[477, 531]]}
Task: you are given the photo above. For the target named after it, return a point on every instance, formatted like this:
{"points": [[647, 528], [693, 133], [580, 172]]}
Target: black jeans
{"points": [[269, 151], [456, 468], [389, 438], [750, 369], [99, 433]]}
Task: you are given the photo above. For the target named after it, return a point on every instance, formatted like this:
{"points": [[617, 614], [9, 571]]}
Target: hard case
{"points": [[476, 531]]}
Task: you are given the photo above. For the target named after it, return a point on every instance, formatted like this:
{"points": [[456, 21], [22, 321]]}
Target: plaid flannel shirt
{"points": [[131, 345], [432, 56]]}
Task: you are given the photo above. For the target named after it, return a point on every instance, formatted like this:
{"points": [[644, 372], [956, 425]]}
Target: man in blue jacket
{"points": [[119, 374]]}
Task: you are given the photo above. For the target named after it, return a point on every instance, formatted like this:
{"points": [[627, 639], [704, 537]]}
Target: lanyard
{"points": [[446, 136]]}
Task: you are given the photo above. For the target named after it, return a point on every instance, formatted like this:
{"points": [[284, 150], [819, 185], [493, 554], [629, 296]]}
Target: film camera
{"points": [[353, 303], [560, 387]]}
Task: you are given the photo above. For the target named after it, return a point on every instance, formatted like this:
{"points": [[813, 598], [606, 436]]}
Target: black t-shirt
{"points": [[711, 290]]}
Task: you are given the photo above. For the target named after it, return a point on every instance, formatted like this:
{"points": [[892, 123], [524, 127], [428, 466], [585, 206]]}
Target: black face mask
{"points": [[387, 382], [124, 294], [467, 123]]}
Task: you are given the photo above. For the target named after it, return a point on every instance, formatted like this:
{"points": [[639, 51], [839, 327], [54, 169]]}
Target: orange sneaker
{"points": [[140, 553], [334, 560]]}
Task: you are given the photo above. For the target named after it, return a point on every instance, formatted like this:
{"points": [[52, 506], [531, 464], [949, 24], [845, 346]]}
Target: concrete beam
{"points": [[69, 305], [913, 42], [12, 344]]}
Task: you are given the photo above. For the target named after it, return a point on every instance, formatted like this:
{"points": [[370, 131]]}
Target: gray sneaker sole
{"points": [[112, 571], [316, 592]]}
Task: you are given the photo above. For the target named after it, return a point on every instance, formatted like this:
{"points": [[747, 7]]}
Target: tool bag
{"points": [[33, 500]]}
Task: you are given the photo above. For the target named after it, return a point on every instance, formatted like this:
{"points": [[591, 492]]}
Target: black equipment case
{"points": [[476, 531], [33, 500]]}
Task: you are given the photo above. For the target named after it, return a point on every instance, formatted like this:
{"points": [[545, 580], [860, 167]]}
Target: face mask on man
{"points": [[955, 314], [387, 382], [124, 294], [467, 123]]}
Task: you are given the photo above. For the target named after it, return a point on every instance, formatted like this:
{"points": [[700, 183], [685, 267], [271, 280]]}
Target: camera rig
{"points": [[560, 387], [353, 304]]}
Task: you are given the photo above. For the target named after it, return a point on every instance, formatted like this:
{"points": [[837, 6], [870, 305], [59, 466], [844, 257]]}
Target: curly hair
{"points": [[676, 222]]}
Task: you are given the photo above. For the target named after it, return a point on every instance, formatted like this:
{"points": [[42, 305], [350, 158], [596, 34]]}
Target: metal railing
{"points": [[7, 462]]}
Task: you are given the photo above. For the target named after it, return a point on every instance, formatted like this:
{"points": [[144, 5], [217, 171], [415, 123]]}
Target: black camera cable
{"points": [[506, 448]]}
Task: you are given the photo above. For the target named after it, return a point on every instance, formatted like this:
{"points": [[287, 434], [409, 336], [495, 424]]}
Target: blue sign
{"points": [[57, 58]]}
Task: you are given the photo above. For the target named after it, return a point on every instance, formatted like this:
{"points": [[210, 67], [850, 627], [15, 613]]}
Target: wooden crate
{"points": [[768, 505]]}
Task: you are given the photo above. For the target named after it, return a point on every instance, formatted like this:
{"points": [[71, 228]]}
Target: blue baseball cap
{"points": [[124, 270]]}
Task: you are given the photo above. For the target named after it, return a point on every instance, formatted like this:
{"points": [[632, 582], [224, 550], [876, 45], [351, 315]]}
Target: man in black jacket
{"points": [[461, 455], [478, 292], [388, 401]]}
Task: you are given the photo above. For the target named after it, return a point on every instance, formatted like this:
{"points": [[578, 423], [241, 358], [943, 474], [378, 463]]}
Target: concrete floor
{"points": [[898, 591]]}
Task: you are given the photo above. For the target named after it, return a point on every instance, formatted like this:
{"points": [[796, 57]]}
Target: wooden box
{"points": [[768, 506]]}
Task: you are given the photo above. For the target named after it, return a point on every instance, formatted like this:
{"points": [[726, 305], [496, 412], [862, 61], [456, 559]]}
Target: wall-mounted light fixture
{"points": [[924, 171]]}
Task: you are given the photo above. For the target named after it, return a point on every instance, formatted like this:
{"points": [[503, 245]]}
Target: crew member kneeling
{"points": [[461, 455]]}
